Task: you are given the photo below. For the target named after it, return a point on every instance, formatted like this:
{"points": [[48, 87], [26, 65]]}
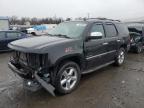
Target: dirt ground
{"points": [[110, 87]]}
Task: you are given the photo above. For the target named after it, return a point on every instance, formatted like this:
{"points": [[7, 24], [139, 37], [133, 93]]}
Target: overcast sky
{"points": [[119, 9]]}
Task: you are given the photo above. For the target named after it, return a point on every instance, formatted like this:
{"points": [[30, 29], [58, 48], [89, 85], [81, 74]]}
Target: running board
{"points": [[44, 84], [97, 68]]}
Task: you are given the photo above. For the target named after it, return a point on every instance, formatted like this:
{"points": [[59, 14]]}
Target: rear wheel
{"points": [[68, 77], [120, 57]]}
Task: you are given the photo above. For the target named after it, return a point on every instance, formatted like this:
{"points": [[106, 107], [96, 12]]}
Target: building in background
{"points": [[4, 23]]}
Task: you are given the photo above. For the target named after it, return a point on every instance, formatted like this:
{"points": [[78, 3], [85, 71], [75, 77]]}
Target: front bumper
{"points": [[31, 84], [16, 70]]}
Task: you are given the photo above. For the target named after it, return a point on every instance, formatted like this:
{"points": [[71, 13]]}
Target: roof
{"points": [[3, 18]]}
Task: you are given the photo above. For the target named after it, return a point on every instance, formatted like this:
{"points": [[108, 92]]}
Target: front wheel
{"points": [[67, 78], [120, 57]]}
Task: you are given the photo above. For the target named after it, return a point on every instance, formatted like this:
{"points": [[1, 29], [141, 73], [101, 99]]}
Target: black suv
{"points": [[56, 61]]}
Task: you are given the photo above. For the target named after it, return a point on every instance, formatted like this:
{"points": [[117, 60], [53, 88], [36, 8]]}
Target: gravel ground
{"points": [[110, 87]]}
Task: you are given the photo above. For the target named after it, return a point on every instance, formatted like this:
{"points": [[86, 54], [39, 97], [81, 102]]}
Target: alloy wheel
{"points": [[121, 57], [69, 78]]}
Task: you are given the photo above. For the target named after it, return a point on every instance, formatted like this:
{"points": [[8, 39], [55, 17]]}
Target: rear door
{"points": [[94, 48], [3, 41], [111, 41]]}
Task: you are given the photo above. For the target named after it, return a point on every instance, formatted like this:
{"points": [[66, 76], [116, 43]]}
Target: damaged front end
{"points": [[34, 69]]}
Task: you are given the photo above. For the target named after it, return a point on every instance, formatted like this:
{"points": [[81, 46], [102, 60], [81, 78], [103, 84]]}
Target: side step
{"points": [[44, 84], [97, 68]]}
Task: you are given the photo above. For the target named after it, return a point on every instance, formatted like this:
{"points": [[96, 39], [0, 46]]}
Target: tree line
{"points": [[14, 20]]}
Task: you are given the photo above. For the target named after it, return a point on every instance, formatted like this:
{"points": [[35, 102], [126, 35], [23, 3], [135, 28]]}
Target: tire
{"points": [[33, 33], [67, 78], [139, 49], [120, 57]]}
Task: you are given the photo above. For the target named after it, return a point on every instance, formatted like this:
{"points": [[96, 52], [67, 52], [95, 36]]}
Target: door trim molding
{"points": [[88, 58]]}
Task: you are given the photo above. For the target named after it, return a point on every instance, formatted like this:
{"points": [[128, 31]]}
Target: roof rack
{"points": [[104, 19]]}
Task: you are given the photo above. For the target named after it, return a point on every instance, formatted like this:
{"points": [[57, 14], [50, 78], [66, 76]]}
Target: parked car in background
{"points": [[137, 42], [137, 37], [9, 36], [56, 61], [39, 30]]}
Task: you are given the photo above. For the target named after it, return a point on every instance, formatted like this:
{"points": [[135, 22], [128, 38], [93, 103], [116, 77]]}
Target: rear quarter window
{"points": [[122, 29]]}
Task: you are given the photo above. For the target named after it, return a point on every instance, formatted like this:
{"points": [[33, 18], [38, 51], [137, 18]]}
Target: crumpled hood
{"points": [[36, 42]]}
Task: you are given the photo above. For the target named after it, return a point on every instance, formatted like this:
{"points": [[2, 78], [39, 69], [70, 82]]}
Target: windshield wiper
{"points": [[61, 35]]}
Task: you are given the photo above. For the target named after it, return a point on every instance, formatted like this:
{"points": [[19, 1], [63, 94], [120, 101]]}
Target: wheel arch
{"points": [[124, 46], [33, 33], [77, 58]]}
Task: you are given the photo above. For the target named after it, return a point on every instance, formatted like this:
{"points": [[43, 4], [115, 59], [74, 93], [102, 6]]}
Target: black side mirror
{"points": [[95, 35]]}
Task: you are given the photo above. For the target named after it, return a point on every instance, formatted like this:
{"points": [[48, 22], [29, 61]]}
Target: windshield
{"points": [[69, 29]]}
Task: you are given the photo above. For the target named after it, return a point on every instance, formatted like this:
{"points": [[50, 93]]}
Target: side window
{"points": [[98, 28], [12, 35], [2, 35], [123, 29], [110, 30]]}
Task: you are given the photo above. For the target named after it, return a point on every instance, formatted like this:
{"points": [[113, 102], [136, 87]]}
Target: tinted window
{"points": [[2, 35], [98, 28], [122, 29], [13, 35], [111, 30]]}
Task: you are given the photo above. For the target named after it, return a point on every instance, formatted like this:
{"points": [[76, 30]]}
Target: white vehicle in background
{"points": [[40, 29]]}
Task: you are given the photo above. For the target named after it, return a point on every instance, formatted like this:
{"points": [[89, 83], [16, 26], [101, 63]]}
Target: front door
{"points": [[95, 48]]}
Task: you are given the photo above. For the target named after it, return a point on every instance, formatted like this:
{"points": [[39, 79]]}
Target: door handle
{"points": [[105, 43], [118, 40]]}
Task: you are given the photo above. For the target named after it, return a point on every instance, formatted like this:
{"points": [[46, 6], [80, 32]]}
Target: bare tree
{"points": [[34, 21], [13, 20]]}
